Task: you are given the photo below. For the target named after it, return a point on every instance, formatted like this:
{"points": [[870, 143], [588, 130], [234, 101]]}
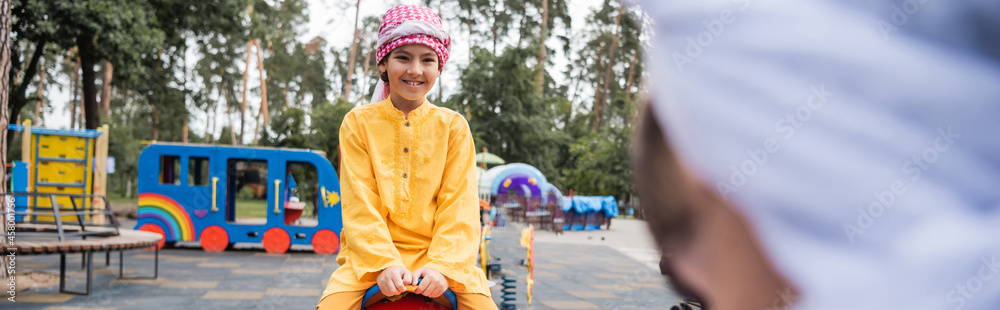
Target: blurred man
{"points": [[826, 154]]}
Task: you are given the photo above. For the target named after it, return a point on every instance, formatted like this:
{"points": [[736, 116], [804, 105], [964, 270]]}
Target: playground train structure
{"points": [[220, 196]]}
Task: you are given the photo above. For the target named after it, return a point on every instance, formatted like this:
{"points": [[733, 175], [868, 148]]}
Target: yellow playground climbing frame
{"points": [[65, 162]]}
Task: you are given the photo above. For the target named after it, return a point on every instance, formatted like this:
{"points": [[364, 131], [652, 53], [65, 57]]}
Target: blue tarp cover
{"points": [[584, 204]]}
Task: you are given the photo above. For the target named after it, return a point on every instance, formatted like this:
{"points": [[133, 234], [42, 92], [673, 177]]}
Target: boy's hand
{"points": [[392, 281], [433, 285]]}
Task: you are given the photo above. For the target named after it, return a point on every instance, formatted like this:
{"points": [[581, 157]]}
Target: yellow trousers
{"points": [[352, 301]]}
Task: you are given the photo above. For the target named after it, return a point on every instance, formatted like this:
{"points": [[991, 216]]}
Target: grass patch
{"points": [[251, 208], [122, 200]]}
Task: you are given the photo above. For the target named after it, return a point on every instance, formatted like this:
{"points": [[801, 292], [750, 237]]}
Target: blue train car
{"points": [[220, 195]]}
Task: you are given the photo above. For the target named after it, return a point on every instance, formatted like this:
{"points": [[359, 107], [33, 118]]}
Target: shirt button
{"points": [[407, 124], [406, 150], [405, 175]]}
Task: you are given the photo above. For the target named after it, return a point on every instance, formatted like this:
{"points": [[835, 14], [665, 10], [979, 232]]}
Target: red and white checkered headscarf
{"points": [[410, 24]]}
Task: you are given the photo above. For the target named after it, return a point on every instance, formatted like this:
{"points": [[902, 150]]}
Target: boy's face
{"points": [[412, 70]]}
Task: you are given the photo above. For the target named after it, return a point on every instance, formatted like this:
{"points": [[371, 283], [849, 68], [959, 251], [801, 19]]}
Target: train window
{"points": [[246, 191], [198, 171], [302, 194], [170, 170]]}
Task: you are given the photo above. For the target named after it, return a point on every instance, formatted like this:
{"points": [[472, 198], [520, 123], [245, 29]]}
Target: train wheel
{"points": [[153, 228], [325, 242], [214, 239], [276, 240]]}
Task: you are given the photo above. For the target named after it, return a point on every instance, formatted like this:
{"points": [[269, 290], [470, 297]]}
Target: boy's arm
{"points": [[364, 215], [456, 221]]}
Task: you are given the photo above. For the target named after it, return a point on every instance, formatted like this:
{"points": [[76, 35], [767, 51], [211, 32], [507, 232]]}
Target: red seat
{"points": [[409, 302]]}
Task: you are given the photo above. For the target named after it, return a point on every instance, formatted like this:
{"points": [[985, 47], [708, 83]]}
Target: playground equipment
{"points": [[524, 195], [554, 201], [70, 162], [508, 298], [518, 190], [211, 194], [528, 241], [589, 212], [374, 300]]}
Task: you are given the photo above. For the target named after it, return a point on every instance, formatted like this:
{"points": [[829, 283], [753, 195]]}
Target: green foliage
{"points": [[127, 128], [506, 115], [156, 88], [289, 129], [325, 128], [602, 164]]}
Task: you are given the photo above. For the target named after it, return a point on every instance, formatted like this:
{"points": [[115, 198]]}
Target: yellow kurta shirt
{"points": [[409, 197]]}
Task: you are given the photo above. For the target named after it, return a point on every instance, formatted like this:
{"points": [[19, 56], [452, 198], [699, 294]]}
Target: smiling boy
{"points": [[408, 180]]}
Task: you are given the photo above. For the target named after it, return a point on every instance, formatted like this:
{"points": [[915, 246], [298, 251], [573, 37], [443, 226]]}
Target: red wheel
{"points": [[276, 240], [325, 242], [214, 239], [153, 228]]}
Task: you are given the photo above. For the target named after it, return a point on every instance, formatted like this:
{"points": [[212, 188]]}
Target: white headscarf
{"points": [[861, 140]]}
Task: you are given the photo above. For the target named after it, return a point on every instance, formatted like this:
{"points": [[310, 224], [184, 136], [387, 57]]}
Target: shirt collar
{"points": [[418, 113]]}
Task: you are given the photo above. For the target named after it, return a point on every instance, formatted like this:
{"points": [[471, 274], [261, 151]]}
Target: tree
{"points": [[599, 103], [126, 33], [289, 129], [354, 44], [325, 127], [601, 164], [507, 115], [343, 64], [5, 48]]}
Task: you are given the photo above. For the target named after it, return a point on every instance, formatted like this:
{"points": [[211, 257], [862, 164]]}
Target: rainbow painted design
{"points": [[163, 210]]}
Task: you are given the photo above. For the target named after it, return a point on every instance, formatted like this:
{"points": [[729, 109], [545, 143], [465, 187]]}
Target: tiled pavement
{"points": [[567, 276], [580, 276]]}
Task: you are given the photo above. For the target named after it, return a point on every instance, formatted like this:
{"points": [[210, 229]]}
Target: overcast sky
{"points": [[334, 21]]}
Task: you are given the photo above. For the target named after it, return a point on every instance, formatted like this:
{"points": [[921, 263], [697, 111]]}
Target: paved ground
{"points": [[576, 270]]}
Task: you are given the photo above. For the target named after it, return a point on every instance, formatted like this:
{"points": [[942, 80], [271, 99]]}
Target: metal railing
{"points": [[34, 211]]}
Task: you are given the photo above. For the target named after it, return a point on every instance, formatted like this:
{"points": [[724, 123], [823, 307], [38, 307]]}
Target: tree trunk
{"points": [[210, 114], [367, 68], [264, 112], [89, 79], [41, 97], [542, 50], [232, 133], [494, 29], [284, 94], [20, 98], [4, 116], [468, 24], [156, 124], [440, 86], [210, 111], [83, 112], [597, 90], [631, 75], [611, 63], [350, 61], [243, 104], [75, 89], [184, 132], [106, 89]]}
